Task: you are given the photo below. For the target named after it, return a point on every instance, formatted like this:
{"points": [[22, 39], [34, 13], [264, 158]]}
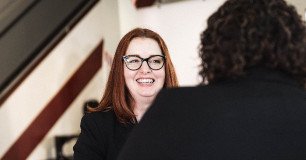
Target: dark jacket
{"points": [[101, 137], [260, 116]]}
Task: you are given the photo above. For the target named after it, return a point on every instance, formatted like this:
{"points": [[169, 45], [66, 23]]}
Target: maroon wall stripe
{"points": [[37, 130], [144, 3]]}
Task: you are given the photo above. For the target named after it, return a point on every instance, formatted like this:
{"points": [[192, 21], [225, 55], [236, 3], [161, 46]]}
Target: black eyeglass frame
{"points": [[142, 60]]}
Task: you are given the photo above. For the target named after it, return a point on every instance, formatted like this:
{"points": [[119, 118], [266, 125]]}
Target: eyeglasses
{"points": [[134, 62]]}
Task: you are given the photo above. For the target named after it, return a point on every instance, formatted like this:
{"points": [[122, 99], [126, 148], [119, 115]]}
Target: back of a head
{"points": [[243, 34]]}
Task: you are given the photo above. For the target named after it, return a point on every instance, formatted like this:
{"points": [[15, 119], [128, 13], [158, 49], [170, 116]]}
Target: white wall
{"points": [[127, 16], [107, 19]]}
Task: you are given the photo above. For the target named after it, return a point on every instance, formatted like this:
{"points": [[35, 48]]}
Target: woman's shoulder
{"points": [[108, 113], [100, 118]]}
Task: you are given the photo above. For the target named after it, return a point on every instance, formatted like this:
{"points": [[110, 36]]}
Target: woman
{"points": [[141, 67]]}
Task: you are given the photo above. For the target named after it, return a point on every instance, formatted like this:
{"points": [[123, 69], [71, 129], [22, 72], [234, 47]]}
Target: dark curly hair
{"points": [[250, 33]]}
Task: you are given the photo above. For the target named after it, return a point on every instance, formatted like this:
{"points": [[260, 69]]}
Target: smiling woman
{"points": [[131, 88], [145, 80]]}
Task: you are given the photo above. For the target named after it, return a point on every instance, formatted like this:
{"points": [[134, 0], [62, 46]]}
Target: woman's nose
{"points": [[145, 67]]}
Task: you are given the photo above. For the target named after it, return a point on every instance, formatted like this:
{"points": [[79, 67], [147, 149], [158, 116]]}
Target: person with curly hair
{"points": [[251, 103]]}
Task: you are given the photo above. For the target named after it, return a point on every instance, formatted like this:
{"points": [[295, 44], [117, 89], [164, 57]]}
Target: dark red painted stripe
{"points": [[37, 130], [144, 3]]}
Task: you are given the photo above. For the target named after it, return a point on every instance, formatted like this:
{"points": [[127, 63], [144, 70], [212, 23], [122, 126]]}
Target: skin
{"points": [[144, 83]]}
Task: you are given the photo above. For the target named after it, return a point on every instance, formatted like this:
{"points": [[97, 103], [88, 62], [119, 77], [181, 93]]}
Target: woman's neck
{"points": [[141, 106]]}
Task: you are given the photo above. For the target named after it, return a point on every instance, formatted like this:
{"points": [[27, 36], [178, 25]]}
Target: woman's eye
{"points": [[156, 61], [134, 61]]}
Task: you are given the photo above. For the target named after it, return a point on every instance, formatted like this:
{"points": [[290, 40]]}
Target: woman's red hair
{"points": [[116, 95]]}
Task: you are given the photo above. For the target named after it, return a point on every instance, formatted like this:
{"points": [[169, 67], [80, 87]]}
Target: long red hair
{"points": [[116, 95]]}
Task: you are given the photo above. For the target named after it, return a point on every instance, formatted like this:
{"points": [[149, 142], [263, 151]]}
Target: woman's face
{"points": [[144, 82]]}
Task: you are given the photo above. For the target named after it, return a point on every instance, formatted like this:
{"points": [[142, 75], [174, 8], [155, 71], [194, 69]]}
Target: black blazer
{"points": [[101, 137], [261, 116]]}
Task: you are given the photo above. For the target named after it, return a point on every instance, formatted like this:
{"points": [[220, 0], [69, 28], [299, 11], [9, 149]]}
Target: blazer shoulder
{"points": [[96, 130], [103, 119]]}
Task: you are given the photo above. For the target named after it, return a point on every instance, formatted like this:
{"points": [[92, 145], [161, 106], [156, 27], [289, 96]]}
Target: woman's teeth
{"points": [[145, 80]]}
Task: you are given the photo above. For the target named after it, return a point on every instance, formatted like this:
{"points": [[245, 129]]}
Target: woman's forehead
{"points": [[143, 47]]}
